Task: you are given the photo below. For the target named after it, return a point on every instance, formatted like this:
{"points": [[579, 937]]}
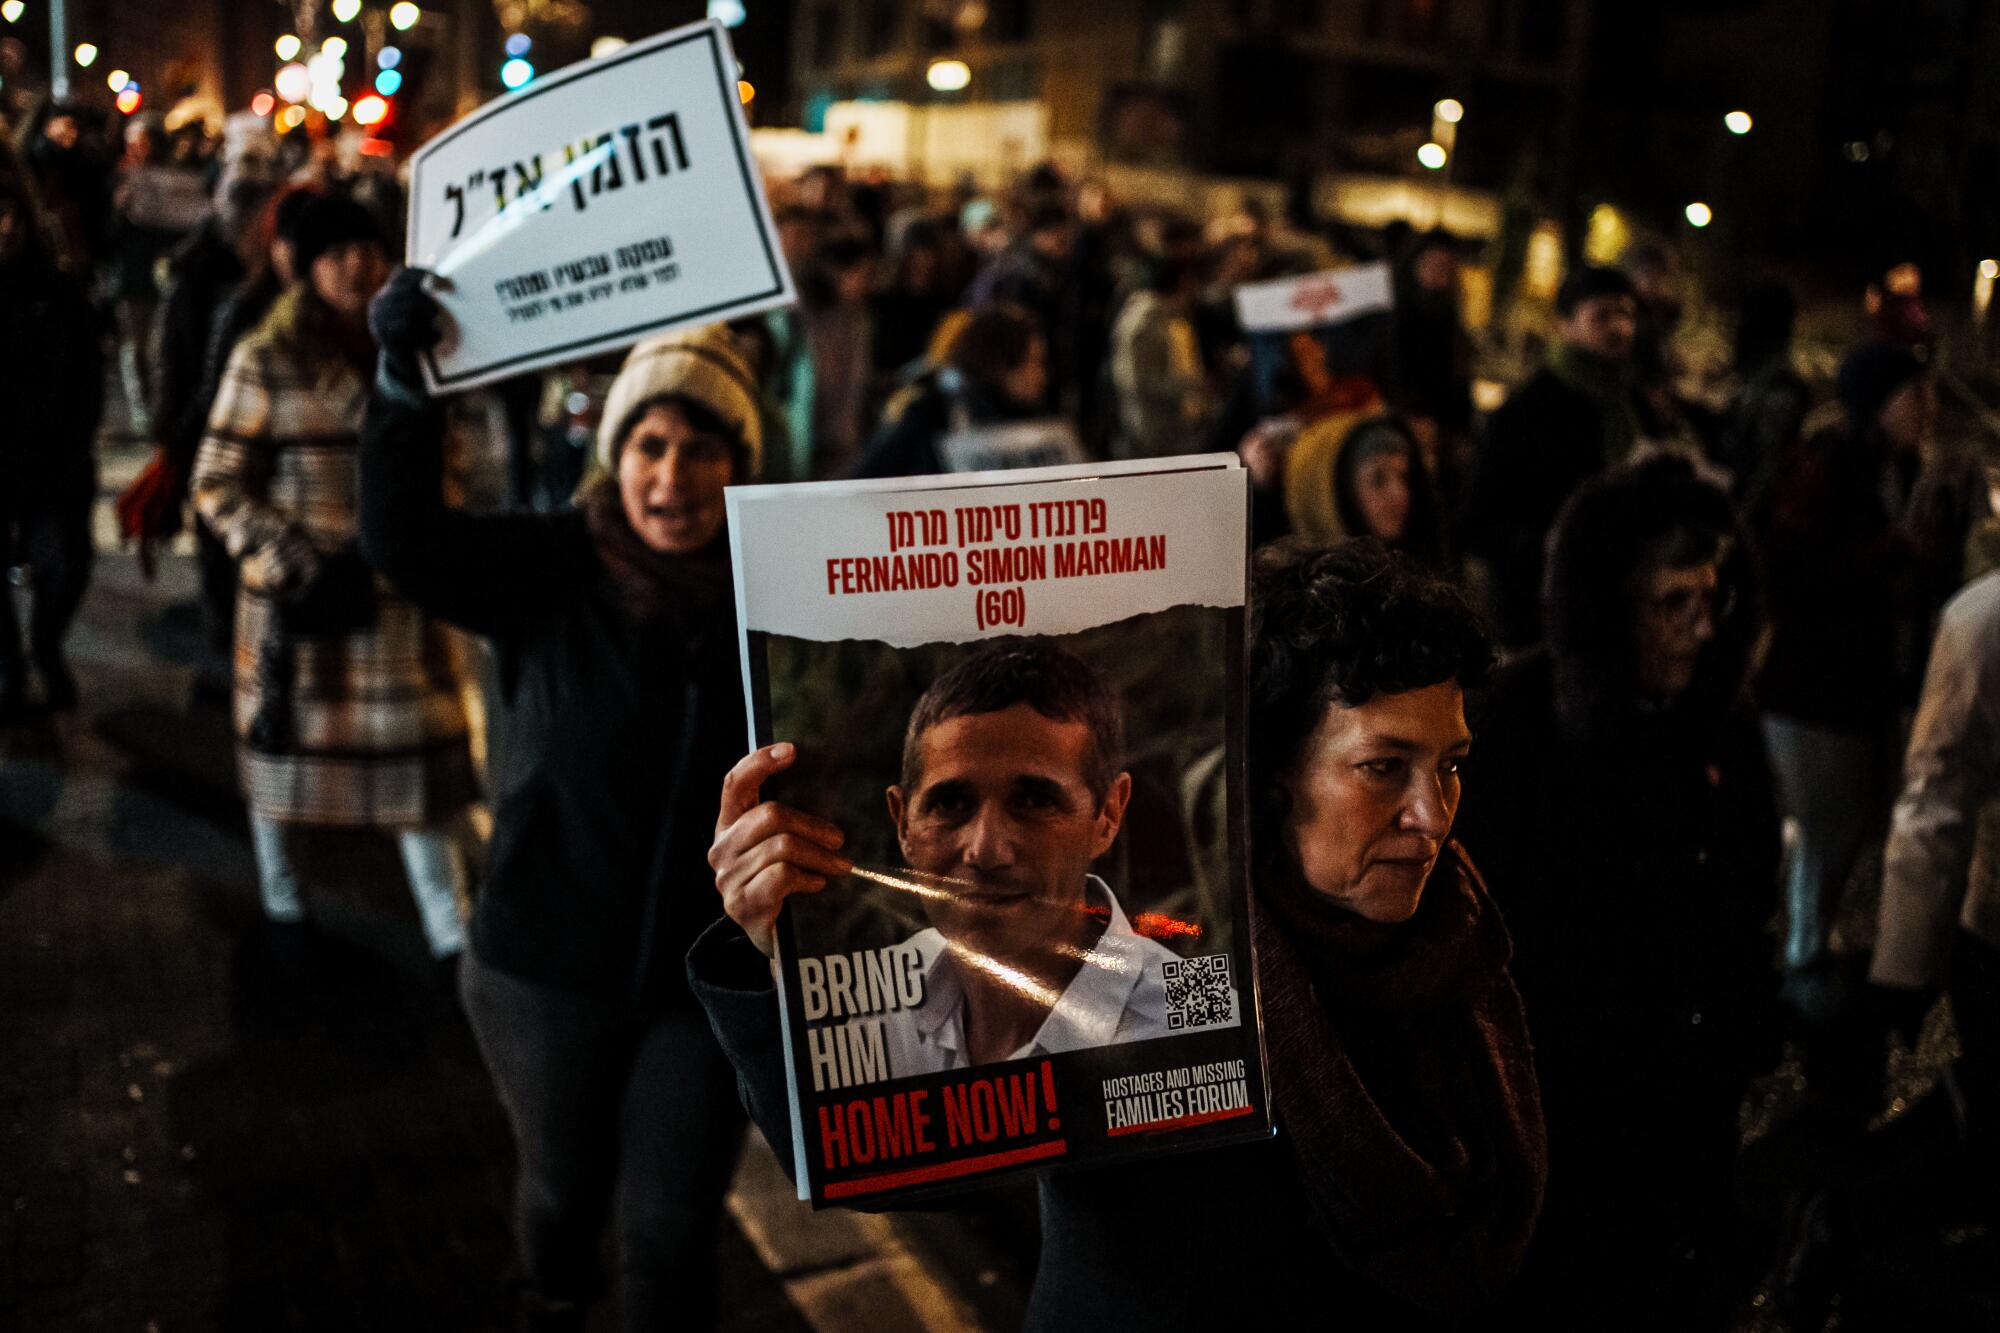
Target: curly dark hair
{"points": [[1341, 624]]}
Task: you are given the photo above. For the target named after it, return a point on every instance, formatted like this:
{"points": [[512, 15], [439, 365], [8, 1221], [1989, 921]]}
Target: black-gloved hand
{"points": [[407, 322], [339, 598]]}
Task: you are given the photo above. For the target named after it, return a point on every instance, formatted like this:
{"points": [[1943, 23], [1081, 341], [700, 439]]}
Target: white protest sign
{"points": [[597, 205], [1314, 300], [1048, 551], [1014, 444]]}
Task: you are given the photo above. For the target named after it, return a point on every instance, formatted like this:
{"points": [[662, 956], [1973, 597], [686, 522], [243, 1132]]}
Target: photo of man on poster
{"points": [[1010, 789]]}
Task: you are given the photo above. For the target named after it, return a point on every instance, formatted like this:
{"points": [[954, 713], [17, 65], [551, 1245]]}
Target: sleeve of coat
{"points": [[1948, 773], [232, 479], [486, 573], [733, 983]]}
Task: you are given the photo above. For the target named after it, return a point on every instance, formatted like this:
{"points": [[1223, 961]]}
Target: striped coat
{"points": [[379, 737]]}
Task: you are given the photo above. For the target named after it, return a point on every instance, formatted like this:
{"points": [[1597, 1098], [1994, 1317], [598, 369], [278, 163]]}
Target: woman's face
{"points": [[1382, 494], [671, 477], [1028, 383], [1373, 798], [348, 276]]}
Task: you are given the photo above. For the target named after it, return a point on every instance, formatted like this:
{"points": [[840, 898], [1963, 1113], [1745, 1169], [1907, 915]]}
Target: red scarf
{"points": [[1402, 1075]]}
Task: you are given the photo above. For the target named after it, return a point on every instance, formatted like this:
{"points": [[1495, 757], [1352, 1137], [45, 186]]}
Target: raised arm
{"points": [[485, 572]]}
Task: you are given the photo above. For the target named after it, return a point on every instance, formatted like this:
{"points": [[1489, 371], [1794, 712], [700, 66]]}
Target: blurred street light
{"points": [[370, 110], [517, 43], [729, 13], [745, 91], [293, 82], [1989, 269], [116, 80], [129, 99], [604, 46], [516, 72], [387, 82], [86, 55], [292, 117], [388, 58], [948, 76], [1739, 122], [1432, 155], [12, 10], [1450, 111], [345, 10], [288, 47], [263, 104], [334, 46], [403, 15], [1699, 214]]}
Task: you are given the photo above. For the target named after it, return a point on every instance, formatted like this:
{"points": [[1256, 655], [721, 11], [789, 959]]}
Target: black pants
{"points": [[54, 543], [1975, 1009], [609, 1106]]}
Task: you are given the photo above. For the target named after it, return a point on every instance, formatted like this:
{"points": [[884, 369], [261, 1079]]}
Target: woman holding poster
{"points": [[612, 625], [1405, 1178]]}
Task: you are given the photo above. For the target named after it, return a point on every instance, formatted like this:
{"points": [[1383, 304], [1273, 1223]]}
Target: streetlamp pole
{"points": [[58, 51]]}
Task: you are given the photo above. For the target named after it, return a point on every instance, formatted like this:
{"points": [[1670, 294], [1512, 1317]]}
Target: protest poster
{"points": [[1020, 696], [1318, 341], [604, 202]]}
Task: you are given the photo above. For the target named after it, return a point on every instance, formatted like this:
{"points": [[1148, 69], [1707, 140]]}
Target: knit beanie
{"points": [[326, 222], [702, 364], [1870, 377]]}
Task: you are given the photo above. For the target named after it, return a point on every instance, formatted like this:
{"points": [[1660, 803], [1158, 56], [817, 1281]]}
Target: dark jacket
{"points": [[1635, 853], [52, 382], [206, 270], [616, 732], [1546, 440], [1842, 608]]}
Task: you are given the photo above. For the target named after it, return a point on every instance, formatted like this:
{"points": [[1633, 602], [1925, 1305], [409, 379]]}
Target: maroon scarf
{"points": [[652, 584], [1401, 1072]]}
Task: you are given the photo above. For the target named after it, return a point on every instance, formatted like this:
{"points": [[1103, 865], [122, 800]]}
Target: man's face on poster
{"points": [[1001, 803]]}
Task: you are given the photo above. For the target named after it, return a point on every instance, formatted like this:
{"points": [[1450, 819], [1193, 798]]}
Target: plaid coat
{"points": [[379, 736]]}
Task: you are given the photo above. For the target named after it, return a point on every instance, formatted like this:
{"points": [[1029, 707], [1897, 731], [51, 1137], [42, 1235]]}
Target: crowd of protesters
{"points": [[1716, 687]]}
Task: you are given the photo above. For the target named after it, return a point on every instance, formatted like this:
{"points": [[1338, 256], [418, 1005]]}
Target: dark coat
{"points": [[1842, 606], [52, 381], [616, 733], [1221, 1239], [908, 445], [1635, 854], [1545, 441], [206, 270]]}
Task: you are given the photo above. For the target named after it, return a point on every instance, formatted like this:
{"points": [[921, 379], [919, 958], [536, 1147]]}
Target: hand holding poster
{"points": [[1017, 694], [599, 204]]}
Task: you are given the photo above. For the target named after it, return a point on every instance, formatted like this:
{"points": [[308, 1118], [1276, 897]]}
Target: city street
{"points": [[197, 1132]]}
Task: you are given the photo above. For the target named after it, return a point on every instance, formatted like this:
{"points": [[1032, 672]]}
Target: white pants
{"points": [[431, 858]]}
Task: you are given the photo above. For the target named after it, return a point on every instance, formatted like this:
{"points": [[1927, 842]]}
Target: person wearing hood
{"points": [[1577, 416], [52, 381], [346, 708], [1403, 1183], [613, 626], [996, 369], [1843, 642], [1620, 803], [1364, 478]]}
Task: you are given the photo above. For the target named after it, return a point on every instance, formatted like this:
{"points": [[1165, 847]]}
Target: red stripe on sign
{"points": [[945, 1170], [1184, 1122]]}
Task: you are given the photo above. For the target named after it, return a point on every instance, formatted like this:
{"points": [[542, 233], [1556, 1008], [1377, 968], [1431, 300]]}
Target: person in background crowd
{"points": [[347, 713], [72, 176], [1763, 423], [1622, 808], [1164, 400], [996, 370], [1037, 274], [1835, 683], [1575, 417], [916, 298], [613, 625], [1403, 1184], [141, 236], [1939, 919], [839, 333], [1894, 303], [790, 377], [1656, 286], [52, 383], [1430, 359], [206, 268], [1365, 478]]}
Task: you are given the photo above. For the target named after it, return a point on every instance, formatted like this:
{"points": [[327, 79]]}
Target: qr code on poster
{"points": [[1198, 992]]}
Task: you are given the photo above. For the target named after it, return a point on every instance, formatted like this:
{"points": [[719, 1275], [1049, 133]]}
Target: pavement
{"points": [[195, 1133]]}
